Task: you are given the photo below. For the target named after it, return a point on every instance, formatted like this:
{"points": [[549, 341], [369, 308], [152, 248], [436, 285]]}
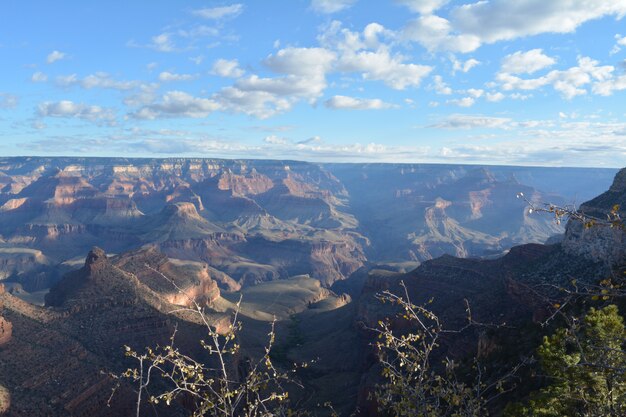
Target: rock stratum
{"points": [[256, 220]]}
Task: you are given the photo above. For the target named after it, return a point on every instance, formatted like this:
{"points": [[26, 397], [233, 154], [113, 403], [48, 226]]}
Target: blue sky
{"points": [[526, 82]]}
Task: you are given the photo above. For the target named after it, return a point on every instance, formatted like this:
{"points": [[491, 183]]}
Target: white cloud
{"points": [[380, 65], [144, 95], [197, 59], [571, 82], [464, 66], [301, 61], [55, 56], [177, 104], [440, 86], [497, 20], [462, 102], [436, 33], [464, 121], [353, 103], [619, 41], [69, 109], [303, 78], [8, 101], [495, 97], [366, 53], [39, 77], [423, 6], [471, 25], [526, 62], [475, 92], [258, 103], [215, 13], [331, 6], [275, 140], [227, 68], [288, 86], [609, 86], [167, 76], [163, 43], [97, 80]]}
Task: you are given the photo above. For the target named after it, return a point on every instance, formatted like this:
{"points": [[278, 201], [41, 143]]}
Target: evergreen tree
{"points": [[586, 369]]}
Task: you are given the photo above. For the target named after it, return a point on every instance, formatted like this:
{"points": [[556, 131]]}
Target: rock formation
{"points": [[601, 243], [343, 215], [6, 328]]}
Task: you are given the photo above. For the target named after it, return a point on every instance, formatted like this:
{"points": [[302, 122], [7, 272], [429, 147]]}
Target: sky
{"points": [[524, 82]]}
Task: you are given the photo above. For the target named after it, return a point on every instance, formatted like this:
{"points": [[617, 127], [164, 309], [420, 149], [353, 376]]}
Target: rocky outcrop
{"points": [[97, 284], [6, 328], [6, 331], [5, 400], [600, 243]]}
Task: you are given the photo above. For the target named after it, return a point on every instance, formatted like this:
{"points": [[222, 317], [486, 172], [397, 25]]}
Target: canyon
{"points": [[256, 220], [97, 254]]}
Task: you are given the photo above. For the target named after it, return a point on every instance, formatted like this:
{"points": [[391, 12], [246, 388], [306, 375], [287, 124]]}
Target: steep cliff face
{"points": [[600, 243]]}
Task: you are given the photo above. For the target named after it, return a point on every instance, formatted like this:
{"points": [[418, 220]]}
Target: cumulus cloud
{"points": [[462, 102], [97, 80], [464, 66], [470, 25], [163, 42], [526, 62], [569, 83], [440, 86], [496, 20], [367, 54], [8, 101], [39, 77], [464, 121], [69, 109], [55, 56], [495, 97], [177, 104], [436, 33], [216, 13], [301, 61], [423, 6], [167, 76], [331, 6], [353, 103], [275, 140], [227, 68], [303, 77], [619, 42], [609, 86]]}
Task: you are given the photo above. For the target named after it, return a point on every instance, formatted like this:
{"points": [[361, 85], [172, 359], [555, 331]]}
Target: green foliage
{"points": [[586, 369]]}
